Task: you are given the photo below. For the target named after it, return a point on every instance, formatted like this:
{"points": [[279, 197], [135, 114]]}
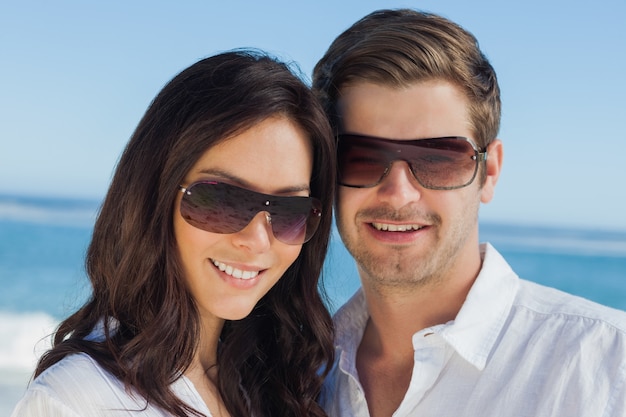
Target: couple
{"points": [[206, 253]]}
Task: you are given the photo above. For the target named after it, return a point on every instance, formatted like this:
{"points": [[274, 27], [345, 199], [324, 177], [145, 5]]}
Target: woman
{"points": [[205, 258]]}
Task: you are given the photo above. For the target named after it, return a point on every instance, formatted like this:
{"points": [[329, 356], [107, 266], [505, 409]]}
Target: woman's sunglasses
{"points": [[439, 164], [223, 208]]}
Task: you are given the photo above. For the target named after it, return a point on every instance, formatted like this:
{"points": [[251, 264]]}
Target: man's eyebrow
{"points": [[220, 174]]}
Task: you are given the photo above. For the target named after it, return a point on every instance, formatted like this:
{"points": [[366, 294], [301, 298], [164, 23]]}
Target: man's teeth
{"points": [[396, 227], [234, 272]]}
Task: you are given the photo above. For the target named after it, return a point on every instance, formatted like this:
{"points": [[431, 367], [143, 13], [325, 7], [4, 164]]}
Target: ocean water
{"points": [[43, 242]]}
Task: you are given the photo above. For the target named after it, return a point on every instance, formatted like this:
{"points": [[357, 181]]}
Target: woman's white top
{"points": [[78, 386]]}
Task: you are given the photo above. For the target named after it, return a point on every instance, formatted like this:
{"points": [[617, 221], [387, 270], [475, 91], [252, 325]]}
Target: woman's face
{"points": [[227, 274]]}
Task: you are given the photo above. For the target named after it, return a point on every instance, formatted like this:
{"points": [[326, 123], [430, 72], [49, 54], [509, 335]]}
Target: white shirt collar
{"points": [[477, 326]]}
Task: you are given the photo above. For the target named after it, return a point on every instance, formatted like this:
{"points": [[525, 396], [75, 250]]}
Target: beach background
{"points": [[76, 77], [43, 241]]}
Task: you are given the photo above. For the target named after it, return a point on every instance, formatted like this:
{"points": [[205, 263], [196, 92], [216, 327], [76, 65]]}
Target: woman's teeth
{"points": [[234, 272]]}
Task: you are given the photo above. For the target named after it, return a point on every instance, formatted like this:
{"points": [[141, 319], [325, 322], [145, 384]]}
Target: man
{"points": [[442, 326]]}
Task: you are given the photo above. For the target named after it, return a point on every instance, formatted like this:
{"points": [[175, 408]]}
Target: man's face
{"points": [[403, 235]]}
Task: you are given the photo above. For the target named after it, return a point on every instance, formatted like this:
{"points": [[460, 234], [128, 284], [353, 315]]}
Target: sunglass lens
{"points": [[209, 206], [222, 208], [442, 163], [360, 162], [295, 219]]}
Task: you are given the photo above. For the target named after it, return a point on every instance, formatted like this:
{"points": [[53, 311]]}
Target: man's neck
{"points": [[396, 316], [385, 356], [399, 307]]}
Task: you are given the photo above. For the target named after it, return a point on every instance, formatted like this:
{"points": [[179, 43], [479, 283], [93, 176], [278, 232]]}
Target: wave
{"points": [[556, 240], [48, 210], [564, 246], [24, 337]]}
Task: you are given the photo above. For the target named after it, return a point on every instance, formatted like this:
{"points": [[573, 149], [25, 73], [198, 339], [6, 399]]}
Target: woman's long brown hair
{"points": [[272, 362]]}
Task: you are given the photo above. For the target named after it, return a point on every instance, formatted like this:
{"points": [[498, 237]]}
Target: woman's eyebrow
{"points": [[220, 174]]}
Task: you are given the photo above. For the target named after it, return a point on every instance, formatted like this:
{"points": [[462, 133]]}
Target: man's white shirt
{"points": [[516, 348]]}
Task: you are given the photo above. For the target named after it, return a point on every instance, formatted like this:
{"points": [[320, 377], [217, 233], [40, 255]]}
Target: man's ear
{"points": [[493, 166]]}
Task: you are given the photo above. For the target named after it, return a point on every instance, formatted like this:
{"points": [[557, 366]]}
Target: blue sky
{"points": [[76, 77]]}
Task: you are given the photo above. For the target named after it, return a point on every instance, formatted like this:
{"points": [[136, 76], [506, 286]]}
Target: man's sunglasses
{"points": [[223, 208], [438, 164]]}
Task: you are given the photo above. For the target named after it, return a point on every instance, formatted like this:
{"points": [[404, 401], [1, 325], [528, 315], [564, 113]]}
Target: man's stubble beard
{"points": [[401, 270]]}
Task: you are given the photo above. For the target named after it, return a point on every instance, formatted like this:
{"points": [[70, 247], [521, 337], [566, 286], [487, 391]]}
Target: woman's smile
{"points": [[235, 272]]}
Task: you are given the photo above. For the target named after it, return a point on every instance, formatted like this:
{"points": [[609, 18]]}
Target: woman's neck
{"points": [[203, 371]]}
